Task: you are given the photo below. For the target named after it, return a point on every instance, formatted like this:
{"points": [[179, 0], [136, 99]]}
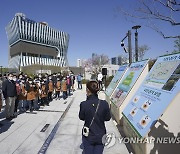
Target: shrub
{"points": [[84, 81]]}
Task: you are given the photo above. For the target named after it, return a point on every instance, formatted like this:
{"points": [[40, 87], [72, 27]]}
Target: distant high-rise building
{"points": [[116, 60], [79, 64], [32, 42], [94, 55]]}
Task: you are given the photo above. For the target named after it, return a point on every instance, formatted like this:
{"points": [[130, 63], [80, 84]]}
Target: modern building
{"points": [[116, 60], [35, 43], [81, 62]]}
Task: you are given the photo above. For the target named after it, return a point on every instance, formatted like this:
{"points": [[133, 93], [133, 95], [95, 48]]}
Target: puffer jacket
{"points": [[58, 86]]}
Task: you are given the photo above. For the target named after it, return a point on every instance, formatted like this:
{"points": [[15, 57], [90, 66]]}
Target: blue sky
{"points": [[93, 26]]}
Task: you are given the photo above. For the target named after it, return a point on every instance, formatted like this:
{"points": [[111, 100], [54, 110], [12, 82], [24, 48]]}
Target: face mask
{"points": [[30, 82], [38, 84], [14, 79], [10, 78]]}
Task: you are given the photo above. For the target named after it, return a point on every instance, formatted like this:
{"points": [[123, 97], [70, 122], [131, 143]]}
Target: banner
{"points": [[155, 94], [115, 80], [127, 82]]}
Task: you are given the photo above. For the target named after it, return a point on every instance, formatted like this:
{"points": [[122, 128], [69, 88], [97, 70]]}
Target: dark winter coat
{"points": [[86, 113], [9, 89]]}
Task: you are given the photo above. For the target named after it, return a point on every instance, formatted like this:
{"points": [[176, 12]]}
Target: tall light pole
{"points": [[129, 46], [136, 41]]}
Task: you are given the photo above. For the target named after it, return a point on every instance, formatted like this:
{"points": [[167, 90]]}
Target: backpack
{"points": [[68, 81]]}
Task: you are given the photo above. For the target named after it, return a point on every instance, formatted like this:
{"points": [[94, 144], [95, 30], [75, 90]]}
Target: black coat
{"points": [[9, 89], [86, 113]]}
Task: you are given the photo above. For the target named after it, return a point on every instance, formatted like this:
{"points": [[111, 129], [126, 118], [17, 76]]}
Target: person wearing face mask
{"points": [[43, 94], [58, 89], [10, 93], [20, 77], [69, 84], [64, 88], [51, 89], [54, 79], [22, 97], [31, 94], [18, 90]]}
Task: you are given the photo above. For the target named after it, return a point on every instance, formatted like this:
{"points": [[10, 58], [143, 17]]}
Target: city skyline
{"points": [[94, 27]]}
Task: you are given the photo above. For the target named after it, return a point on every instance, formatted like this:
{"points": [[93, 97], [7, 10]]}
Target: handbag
{"points": [[85, 131]]}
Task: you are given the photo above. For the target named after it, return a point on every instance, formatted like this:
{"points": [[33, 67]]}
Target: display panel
{"points": [[155, 94], [115, 80], [127, 82]]}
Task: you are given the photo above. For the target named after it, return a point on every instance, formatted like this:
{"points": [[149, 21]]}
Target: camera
{"points": [[85, 131], [122, 44]]}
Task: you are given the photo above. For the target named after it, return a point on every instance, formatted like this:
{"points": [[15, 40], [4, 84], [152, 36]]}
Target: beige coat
{"points": [[64, 85], [31, 94], [51, 88], [43, 91], [58, 86], [23, 93]]}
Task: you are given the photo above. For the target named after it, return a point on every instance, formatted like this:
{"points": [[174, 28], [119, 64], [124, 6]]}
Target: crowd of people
{"points": [[23, 93]]}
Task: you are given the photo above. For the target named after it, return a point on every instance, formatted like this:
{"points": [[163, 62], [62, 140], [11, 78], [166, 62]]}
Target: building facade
{"points": [[116, 60], [79, 63], [32, 42]]}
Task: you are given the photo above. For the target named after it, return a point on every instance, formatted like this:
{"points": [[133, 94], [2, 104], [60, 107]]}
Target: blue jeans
{"points": [[30, 104], [91, 149], [69, 89], [22, 105], [36, 106], [79, 85], [64, 94]]}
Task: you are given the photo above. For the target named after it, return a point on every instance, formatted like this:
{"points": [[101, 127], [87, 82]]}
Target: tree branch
{"points": [[168, 5], [150, 12], [157, 15], [155, 28], [174, 2]]}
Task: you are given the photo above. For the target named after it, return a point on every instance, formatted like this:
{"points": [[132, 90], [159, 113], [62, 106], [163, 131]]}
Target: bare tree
{"points": [[141, 51], [95, 64], [124, 59], [177, 46], [156, 10]]}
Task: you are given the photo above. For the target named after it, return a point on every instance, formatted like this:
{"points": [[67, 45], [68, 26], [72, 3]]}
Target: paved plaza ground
{"points": [[25, 134]]}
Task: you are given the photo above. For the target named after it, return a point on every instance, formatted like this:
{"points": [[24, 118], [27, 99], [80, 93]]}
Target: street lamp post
{"points": [[129, 46], [136, 41]]}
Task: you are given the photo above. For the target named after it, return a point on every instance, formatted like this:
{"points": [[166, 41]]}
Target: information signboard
{"points": [[127, 82], [115, 80], [157, 91]]}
